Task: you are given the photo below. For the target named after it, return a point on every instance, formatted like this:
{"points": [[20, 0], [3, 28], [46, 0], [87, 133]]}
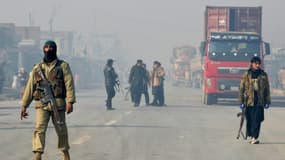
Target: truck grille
{"points": [[228, 84], [231, 70]]}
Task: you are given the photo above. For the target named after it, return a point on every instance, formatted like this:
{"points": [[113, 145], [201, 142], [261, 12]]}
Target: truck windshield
{"points": [[233, 50]]}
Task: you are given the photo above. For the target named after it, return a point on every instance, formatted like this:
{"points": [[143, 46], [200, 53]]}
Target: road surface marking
{"points": [[111, 122], [81, 140], [129, 112]]}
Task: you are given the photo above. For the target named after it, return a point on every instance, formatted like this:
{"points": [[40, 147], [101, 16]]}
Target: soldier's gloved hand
{"points": [[24, 113], [266, 106], [69, 108], [241, 106]]}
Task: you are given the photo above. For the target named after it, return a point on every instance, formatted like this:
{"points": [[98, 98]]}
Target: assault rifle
{"points": [[48, 98], [118, 87], [242, 118]]}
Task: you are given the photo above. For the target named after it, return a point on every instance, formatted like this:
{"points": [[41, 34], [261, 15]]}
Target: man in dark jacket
{"points": [[111, 78], [146, 84], [136, 78], [255, 96]]}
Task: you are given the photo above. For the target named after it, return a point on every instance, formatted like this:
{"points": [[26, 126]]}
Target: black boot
{"points": [[109, 105]]}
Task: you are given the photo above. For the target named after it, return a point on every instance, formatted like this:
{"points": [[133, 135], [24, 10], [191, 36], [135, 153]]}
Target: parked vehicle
{"points": [[181, 65]]}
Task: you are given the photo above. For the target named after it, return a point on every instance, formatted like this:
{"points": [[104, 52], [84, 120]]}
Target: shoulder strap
{"points": [[41, 73]]}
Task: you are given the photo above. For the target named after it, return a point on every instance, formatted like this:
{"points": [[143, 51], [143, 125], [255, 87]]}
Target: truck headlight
{"points": [[222, 87], [209, 83]]}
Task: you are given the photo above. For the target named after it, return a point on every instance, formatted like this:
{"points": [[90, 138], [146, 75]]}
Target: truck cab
{"points": [[226, 59], [233, 35]]}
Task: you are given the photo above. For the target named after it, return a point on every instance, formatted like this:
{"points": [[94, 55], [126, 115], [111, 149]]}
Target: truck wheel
{"points": [[210, 99]]}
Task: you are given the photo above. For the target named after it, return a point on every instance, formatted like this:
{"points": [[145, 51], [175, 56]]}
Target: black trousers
{"points": [[110, 94], [254, 117], [137, 96], [146, 95], [158, 95]]}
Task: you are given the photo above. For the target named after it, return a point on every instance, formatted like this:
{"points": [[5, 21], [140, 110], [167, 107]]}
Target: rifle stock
{"points": [[242, 116]]}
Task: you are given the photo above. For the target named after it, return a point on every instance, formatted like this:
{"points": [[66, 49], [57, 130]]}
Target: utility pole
{"points": [[31, 21], [51, 20]]}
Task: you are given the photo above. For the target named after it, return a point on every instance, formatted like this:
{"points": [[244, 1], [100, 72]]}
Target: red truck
{"points": [[232, 38]]}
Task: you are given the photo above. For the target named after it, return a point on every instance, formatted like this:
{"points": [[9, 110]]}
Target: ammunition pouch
{"points": [[56, 78]]}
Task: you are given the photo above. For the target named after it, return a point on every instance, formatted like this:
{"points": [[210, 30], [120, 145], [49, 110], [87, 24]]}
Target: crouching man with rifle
{"points": [[255, 85], [51, 85]]}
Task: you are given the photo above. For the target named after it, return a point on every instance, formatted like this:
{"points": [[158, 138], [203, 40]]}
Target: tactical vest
{"points": [[56, 79]]}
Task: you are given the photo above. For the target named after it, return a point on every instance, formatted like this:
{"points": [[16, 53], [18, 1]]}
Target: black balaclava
{"points": [[50, 55]]}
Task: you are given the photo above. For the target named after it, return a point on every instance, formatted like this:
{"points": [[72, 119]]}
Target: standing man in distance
{"points": [[22, 78], [136, 78], [146, 84], [3, 61], [157, 76], [59, 75], [255, 96], [111, 78]]}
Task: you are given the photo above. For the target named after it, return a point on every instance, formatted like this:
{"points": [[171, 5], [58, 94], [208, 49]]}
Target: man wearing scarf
{"points": [[255, 96], [59, 75]]}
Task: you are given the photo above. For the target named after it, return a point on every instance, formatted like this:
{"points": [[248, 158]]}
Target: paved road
{"points": [[184, 130]]}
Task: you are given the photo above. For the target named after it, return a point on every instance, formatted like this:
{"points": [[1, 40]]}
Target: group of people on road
{"points": [[254, 95], [140, 79]]}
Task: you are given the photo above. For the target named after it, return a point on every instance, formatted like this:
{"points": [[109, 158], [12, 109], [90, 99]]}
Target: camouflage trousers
{"points": [[42, 119]]}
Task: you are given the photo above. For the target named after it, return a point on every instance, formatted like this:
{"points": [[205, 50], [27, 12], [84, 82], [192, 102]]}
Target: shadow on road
{"points": [[270, 143], [276, 101], [10, 107], [90, 126]]}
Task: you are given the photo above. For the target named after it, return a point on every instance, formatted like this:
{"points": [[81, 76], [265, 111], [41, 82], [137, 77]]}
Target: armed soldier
{"points": [[111, 79], [51, 85], [255, 96]]}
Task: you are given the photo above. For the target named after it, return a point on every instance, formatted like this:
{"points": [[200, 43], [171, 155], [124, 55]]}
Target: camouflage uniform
{"points": [[59, 75], [247, 88]]}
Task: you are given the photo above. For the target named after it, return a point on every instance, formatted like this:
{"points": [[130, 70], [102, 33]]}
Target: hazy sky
{"points": [[145, 27]]}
